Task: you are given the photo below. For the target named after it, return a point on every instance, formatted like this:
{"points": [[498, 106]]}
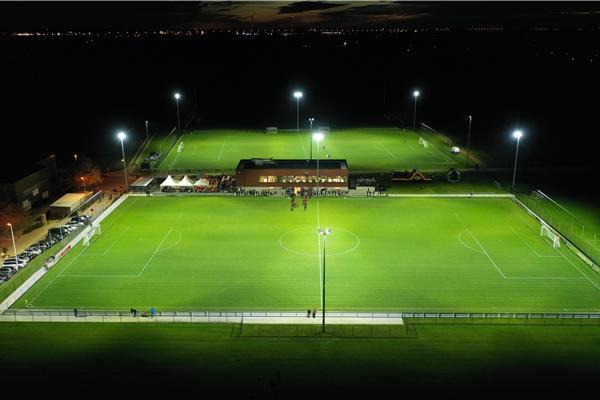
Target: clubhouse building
{"points": [[267, 173]]}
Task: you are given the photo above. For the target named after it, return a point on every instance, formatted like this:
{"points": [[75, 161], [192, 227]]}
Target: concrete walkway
{"points": [[204, 319]]}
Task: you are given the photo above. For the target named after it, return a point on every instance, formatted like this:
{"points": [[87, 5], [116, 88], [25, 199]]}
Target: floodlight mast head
{"points": [[298, 94], [518, 134], [318, 136], [416, 93], [177, 96], [325, 232], [121, 135]]}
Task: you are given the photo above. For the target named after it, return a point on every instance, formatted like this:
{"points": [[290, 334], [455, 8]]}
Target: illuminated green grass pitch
{"points": [[364, 148], [389, 254]]}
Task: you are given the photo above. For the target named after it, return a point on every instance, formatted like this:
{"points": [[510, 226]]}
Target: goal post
{"points": [[94, 230], [546, 231]]}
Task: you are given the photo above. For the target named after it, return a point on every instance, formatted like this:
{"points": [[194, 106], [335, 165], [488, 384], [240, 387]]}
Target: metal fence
{"points": [[82, 315], [585, 235]]}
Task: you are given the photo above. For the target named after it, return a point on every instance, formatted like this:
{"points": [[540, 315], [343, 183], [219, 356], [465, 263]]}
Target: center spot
{"points": [[303, 241]]}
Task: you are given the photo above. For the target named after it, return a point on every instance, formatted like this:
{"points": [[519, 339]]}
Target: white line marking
{"points": [[319, 244], [528, 245], [465, 245], [575, 266], [384, 147], [158, 247], [481, 247], [302, 144], [116, 240], [221, 153]]}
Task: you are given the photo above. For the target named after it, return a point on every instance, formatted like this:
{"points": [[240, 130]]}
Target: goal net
{"points": [[94, 230], [423, 142], [546, 231]]}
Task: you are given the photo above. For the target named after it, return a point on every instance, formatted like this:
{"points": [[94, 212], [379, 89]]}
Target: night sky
{"points": [[533, 66]]}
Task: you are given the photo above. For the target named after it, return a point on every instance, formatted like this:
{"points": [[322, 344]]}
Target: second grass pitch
{"points": [[385, 254], [364, 148]]}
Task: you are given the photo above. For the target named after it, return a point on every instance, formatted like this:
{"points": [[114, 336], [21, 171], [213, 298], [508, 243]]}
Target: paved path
{"points": [[210, 319]]}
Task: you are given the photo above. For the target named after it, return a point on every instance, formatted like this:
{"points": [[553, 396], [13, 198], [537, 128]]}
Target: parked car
{"points": [[20, 257], [34, 249], [43, 244], [30, 254], [69, 229], [8, 270], [14, 264], [53, 239], [77, 221], [81, 218]]}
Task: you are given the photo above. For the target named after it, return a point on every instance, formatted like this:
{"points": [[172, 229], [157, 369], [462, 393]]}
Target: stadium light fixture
{"points": [[518, 134], [416, 94], [121, 135], [317, 136], [469, 139], [83, 180], [12, 234], [177, 97], [324, 233], [75, 157], [298, 95]]}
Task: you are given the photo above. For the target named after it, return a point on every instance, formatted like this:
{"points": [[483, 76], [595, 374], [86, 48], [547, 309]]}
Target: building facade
{"points": [[274, 174]]}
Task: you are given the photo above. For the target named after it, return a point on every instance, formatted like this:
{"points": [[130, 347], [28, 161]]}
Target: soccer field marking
{"points": [[481, 247], [528, 245], [590, 241], [319, 250], [111, 246], [58, 276], [302, 144], [384, 147], [174, 244], [465, 245], [158, 247], [575, 266], [221, 152]]}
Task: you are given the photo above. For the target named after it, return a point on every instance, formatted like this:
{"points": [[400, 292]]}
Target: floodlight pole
{"points": [[83, 180], [178, 121], [12, 234], [415, 94], [146, 129], [310, 136], [124, 165], [324, 247], [318, 177], [515, 168], [469, 140], [297, 114]]}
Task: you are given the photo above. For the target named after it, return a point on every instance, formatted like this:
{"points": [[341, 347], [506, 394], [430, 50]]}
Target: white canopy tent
{"points": [[170, 182], [201, 182], [185, 182]]}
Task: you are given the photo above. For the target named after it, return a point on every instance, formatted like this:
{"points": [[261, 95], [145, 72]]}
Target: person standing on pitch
{"points": [[305, 201]]}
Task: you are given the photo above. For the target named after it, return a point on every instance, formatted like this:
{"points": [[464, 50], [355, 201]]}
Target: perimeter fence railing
{"points": [[82, 315], [585, 235]]}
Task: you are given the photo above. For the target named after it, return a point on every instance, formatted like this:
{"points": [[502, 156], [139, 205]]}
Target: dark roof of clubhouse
{"points": [[269, 163]]}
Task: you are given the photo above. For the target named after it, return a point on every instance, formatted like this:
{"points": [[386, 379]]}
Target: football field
{"points": [[364, 148], [384, 254]]}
